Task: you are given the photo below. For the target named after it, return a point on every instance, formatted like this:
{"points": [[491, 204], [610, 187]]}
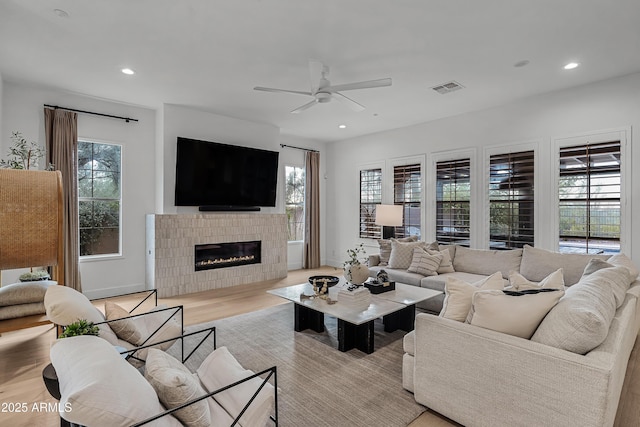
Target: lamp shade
{"points": [[389, 215]]}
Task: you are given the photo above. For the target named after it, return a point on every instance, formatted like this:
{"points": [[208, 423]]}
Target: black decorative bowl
{"points": [[320, 280]]}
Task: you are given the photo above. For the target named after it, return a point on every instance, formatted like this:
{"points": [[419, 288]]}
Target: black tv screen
{"points": [[223, 175]]}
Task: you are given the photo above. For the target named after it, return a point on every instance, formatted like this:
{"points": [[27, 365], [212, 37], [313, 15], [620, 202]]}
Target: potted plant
{"points": [[23, 154], [34, 276], [80, 327], [354, 271]]}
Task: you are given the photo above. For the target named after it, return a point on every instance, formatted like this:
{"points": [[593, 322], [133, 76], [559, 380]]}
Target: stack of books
{"points": [[358, 296]]}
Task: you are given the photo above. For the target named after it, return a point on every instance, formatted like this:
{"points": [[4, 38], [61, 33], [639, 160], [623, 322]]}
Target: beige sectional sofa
{"points": [[481, 377]]}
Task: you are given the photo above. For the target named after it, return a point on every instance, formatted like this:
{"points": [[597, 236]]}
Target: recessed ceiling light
{"points": [[61, 13], [128, 71], [571, 66], [342, 126]]}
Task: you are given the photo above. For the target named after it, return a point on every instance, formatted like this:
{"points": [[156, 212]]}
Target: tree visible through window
{"points": [[589, 198], [453, 196], [370, 196], [294, 203], [511, 179], [407, 191], [99, 196]]}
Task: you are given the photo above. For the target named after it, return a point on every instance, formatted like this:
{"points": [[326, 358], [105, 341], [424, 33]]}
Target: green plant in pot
{"points": [[23, 154], [35, 275], [80, 327], [354, 271]]}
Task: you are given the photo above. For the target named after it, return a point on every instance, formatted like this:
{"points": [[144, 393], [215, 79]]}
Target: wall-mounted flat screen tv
{"points": [[211, 174]]}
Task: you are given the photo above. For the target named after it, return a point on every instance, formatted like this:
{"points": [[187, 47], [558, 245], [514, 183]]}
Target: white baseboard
{"points": [[114, 291]]}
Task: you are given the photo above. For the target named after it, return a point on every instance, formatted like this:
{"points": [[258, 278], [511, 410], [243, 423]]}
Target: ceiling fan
{"points": [[322, 91]]}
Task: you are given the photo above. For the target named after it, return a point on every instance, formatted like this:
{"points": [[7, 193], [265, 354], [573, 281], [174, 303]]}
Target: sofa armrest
{"points": [[465, 372]]}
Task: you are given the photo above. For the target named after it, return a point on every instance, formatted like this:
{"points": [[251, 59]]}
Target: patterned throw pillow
{"points": [[425, 263], [402, 253], [385, 247], [446, 265]]}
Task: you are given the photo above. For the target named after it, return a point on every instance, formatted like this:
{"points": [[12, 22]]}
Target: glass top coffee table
{"points": [[355, 321]]}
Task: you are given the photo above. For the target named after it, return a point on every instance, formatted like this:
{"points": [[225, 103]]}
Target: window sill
{"points": [[93, 258]]}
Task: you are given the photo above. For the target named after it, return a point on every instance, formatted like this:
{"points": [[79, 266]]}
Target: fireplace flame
{"points": [[229, 260]]}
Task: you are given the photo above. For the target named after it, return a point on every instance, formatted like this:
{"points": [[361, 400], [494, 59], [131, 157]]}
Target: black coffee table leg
{"points": [[403, 319], [306, 318], [355, 336]]}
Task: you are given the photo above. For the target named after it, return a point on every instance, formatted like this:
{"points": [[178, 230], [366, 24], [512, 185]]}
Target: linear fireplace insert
{"points": [[221, 255]]}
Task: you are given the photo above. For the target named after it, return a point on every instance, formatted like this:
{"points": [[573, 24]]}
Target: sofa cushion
{"points": [[175, 386], [482, 261], [517, 282], [581, 319], [621, 260], [446, 265], [220, 369], [141, 330], [539, 263], [24, 292], [424, 262], [385, 248], [437, 282], [402, 253], [617, 278], [512, 312], [65, 305], [99, 387], [458, 295]]}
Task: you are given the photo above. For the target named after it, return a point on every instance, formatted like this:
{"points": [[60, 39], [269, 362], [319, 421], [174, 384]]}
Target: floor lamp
{"points": [[389, 217]]}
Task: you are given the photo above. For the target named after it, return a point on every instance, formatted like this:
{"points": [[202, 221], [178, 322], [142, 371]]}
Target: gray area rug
{"points": [[320, 386]]}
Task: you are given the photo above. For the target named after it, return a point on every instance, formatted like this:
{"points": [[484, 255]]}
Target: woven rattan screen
{"points": [[30, 218]]}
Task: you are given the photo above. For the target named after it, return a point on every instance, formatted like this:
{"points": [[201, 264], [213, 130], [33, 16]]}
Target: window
{"points": [[99, 197], [407, 191], [453, 197], [294, 203], [370, 196], [589, 198], [511, 213]]}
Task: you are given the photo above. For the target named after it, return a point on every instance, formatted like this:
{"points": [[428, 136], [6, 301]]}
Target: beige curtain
{"points": [[61, 129], [312, 210]]}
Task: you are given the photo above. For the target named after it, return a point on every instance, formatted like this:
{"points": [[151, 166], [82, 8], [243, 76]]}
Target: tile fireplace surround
{"points": [[171, 240]]}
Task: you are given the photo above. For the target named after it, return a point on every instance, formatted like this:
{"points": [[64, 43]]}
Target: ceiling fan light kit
{"points": [[323, 92]]}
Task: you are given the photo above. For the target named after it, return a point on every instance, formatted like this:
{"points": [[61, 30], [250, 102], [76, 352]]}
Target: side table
{"points": [[50, 378]]}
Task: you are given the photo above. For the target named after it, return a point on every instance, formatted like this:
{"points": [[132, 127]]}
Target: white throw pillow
{"points": [[513, 313], [99, 387], [517, 282], [176, 386], [138, 330], [220, 369], [581, 320], [402, 253], [446, 265], [458, 295], [385, 248], [424, 262]]}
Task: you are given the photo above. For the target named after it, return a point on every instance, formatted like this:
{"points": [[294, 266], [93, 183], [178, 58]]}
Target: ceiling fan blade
{"points": [[315, 74], [355, 106], [270, 89], [305, 106], [361, 85]]}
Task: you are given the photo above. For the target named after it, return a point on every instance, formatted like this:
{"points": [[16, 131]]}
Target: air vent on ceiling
{"points": [[445, 88]]}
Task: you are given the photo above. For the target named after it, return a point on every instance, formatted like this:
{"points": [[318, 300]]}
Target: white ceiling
{"points": [[210, 54]]}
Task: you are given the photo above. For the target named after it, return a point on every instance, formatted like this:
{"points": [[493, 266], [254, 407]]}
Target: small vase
{"points": [[356, 274]]}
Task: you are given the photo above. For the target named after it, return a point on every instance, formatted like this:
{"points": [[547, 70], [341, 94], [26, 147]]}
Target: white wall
{"points": [[187, 122], [610, 104], [22, 110]]}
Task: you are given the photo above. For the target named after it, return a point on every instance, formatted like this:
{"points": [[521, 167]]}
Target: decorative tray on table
{"points": [[377, 287]]}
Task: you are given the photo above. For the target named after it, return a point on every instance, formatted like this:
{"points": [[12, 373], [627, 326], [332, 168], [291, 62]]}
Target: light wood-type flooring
{"points": [[25, 353]]}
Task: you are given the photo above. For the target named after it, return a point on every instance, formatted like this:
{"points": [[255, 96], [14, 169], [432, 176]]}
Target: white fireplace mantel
{"points": [[171, 240]]}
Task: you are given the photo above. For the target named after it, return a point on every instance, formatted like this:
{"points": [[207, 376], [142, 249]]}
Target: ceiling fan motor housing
{"points": [[323, 97]]}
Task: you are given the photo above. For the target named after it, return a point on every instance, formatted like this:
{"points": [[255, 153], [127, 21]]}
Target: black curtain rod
{"points": [[299, 148], [126, 119]]}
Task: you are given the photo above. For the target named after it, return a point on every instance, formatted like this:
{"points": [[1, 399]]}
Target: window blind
{"points": [[589, 198], [407, 191], [453, 195], [511, 191], [370, 196]]}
